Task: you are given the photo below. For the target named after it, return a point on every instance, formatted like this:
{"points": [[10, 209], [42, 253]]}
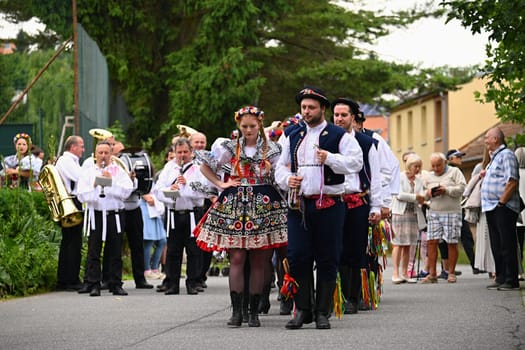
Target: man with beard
{"points": [[315, 158]]}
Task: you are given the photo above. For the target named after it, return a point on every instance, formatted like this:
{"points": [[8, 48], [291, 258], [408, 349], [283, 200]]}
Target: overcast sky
{"points": [[428, 42]]}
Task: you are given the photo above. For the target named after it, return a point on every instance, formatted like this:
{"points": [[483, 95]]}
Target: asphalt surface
{"points": [[441, 316]]}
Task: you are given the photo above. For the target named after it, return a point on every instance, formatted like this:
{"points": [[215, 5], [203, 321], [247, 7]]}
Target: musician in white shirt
{"points": [[105, 216]]}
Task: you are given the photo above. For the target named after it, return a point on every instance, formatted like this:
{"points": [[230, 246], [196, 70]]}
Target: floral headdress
{"points": [[251, 110], [23, 135]]}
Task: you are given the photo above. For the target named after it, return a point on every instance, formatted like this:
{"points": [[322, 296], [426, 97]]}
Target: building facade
{"points": [[437, 122]]}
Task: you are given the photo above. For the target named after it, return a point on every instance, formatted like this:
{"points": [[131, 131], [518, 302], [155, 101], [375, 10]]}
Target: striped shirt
{"points": [[502, 167]]}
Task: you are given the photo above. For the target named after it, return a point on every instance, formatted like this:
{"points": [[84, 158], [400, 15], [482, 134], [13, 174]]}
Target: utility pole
{"points": [[75, 68]]}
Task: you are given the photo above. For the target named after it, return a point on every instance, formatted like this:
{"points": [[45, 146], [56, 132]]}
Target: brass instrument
{"points": [[186, 131], [60, 202], [101, 135]]}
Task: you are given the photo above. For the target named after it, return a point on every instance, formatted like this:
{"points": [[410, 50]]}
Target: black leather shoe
{"points": [[302, 317], [86, 288], [144, 285], [95, 291], [171, 291], [191, 290], [350, 308], [204, 285], [104, 286], [162, 288], [118, 291], [321, 322]]}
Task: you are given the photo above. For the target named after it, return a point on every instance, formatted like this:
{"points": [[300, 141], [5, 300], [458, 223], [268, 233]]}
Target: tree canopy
{"points": [[504, 20], [195, 62]]}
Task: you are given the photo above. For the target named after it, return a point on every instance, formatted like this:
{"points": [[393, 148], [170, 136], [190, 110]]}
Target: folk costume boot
{"points": [[323, 304], [354, 291], [246, 306], [264, 305], [236, 319], [303, 303], [344, 273], [254, 311], [286, 306]]}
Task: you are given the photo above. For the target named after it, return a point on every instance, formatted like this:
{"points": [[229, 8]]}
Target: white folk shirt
{"points": [[190, 195], [389, 167], [68, 166], [353, 183], [348, 160], [120, 189]]}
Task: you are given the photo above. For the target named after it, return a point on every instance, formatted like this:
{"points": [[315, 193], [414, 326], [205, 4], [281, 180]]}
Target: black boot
{"points": [[323, 304], [245, 307], [236, 319], [351, 307], [264, 305], [254, 311], [344, 273], [303, 303], [286, 306]]}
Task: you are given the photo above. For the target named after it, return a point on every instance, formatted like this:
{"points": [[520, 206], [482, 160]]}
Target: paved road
{"points": [[443, 316]]}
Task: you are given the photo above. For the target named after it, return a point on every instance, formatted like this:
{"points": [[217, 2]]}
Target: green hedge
{"points": [[28, 244]]}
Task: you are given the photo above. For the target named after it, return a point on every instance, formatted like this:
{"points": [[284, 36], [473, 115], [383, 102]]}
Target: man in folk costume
{"points": [[390, 180], [315, 159], [105, 203], [182, 213], [363, 200]]}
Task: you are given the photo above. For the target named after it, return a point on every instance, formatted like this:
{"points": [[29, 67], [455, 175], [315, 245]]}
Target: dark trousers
{"points": [[355, 237], [179, 239], [318, 239], [69, 256], [467, 241], [135, 234], [504, 243], [112, 250]]}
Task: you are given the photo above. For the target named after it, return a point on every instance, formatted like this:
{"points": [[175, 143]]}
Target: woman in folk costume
{"points": [[250, 214], [22, 168]]}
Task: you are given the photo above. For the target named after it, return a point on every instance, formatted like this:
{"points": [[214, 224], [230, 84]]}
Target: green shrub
{"points": [[28, 243]]}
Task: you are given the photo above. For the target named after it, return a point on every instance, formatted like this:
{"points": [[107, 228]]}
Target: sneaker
{"points": [[508, 286], [422, 274], [493, 286], [443, 275]]}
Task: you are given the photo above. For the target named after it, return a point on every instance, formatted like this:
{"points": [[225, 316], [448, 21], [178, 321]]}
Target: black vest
{"points": [[328, 140], [365, 142]]}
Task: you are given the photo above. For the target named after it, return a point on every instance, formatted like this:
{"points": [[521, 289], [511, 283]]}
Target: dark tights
{"points": [[258, 264]]}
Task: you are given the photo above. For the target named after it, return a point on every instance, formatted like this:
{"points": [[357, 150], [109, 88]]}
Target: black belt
{"points": [[181, 212], [111, 212], [187, 211]]}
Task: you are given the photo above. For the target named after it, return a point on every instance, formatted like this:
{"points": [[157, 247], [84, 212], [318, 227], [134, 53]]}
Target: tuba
{"points": [[61, 204]]}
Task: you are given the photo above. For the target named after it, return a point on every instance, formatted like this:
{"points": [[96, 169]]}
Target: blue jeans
{"points": [[152, 262]]}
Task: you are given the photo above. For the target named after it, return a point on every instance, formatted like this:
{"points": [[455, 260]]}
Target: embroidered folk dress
{"points": [[249, 216]]}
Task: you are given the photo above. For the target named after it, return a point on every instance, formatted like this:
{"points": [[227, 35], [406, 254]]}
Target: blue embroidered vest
{"points": [[328, 140]]}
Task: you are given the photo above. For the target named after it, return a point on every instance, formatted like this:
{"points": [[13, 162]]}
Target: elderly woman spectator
{"points": [[444, 187], [407, 217]]}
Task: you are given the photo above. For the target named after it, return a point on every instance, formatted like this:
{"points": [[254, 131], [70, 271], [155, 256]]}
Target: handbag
{"points": [[472, 194]]}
